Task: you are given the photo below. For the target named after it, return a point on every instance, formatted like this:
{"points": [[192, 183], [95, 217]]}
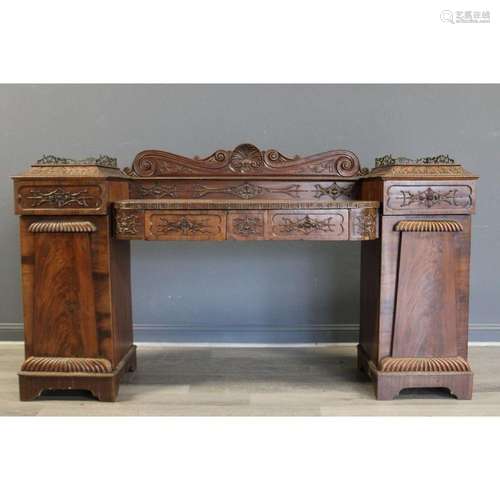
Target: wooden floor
{"points": [[253, 381]]}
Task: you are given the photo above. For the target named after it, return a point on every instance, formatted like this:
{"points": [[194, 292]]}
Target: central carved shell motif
{"points": [[245, 158]]}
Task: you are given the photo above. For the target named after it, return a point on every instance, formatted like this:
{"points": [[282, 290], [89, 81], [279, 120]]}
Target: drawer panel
{"points": [[308, 225], [246, 225], [185, 225], [431, 198], [60, 198]]}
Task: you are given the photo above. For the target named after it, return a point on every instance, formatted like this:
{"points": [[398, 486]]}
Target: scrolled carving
{"points": [[428, 197], [246, 190], [184, 225], [157, 190], [59, 197], [449, 226], [62, 227], [126, 224], [66, 365], [307, 225], [448, 364], [245, 159]]}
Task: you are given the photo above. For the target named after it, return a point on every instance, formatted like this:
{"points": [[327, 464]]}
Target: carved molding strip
{"points": [[451, 364], [242, 204], [245, 159], [66, 365], [429, 166], [449, 226], [62, 227]]}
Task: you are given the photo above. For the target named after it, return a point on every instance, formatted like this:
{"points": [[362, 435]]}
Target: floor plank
{"points": [[174, 380]]}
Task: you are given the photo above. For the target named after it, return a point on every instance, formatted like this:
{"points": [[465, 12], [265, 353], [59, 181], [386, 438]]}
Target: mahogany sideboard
{"points": [[412, 217]]}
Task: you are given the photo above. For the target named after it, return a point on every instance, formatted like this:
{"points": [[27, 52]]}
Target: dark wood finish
{"points": [[243, 189], [193, 225], [415, 280], [245, 160], [413, 220]]}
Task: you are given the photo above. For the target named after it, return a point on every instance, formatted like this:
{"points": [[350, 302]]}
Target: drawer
{"points": [[186, 225], [308, 225], [431, 198], [60, 198], [245, 225]]}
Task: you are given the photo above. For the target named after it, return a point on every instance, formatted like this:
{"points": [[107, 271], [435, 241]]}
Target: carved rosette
{"points": [[449, 364], [66, 365], [248, 225], [126, 223], [245, 159]]}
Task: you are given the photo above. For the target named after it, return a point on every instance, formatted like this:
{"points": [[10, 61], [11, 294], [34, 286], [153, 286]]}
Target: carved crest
{"points": [[245, 160]]}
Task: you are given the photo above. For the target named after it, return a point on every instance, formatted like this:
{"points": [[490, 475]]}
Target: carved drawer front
{"points": [[308, 225], [186, 225], [429, 198], [67, 198], [245, 225]]}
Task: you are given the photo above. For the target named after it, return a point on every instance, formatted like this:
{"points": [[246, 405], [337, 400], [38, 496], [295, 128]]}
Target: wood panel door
{"points": [[64, 314]]}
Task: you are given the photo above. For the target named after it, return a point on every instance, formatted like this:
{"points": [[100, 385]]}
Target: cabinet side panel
{"points": [[64, 311]]}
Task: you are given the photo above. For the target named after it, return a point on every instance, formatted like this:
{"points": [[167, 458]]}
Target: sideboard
{"points": [[412, 217]]}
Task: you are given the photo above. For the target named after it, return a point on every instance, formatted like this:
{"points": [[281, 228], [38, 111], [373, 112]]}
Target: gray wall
{"points": [[262, 291]]}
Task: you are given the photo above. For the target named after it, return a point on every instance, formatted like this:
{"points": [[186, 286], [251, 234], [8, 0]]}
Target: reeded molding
{"points": [[447, 226], [62, 227], [66, 365], [242, 204], [449, 364]]}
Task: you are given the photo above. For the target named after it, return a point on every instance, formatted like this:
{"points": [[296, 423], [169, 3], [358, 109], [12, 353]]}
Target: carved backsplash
{"points": [[245, 160]]}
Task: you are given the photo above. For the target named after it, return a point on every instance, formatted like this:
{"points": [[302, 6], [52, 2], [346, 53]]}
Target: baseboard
{"points": [[256, 334]]}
